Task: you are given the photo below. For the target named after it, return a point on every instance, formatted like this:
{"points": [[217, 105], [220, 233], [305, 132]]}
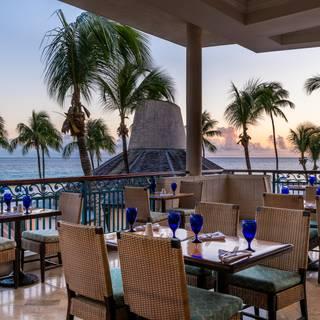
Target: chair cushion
{"points": [[184, 211], [209, 305], [158, 216], [6, 244], [197, 271], [48, 235], [313, 224], [117, 286], [265, 279]]}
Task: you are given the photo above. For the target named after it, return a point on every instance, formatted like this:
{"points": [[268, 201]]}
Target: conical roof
{"points": [[157, 142]]}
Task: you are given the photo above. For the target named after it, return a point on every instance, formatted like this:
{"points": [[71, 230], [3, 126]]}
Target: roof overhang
{"points": [[259, 25]]}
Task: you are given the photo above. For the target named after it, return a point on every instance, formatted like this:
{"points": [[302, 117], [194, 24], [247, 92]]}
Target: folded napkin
{"points": [[155, 227], [231, 256], [215, 236]]}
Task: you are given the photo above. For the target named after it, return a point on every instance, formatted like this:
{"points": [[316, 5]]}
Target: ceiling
{"points": [[259, 25]]}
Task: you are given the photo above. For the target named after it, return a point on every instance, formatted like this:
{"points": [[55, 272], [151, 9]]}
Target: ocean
{"points": [[26, 167]]}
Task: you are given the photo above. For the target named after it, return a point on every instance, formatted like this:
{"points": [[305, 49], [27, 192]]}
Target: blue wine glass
{"points": [[7, 198], [196, 222], [174, 220], [27, 200], [131, 214], [312, 179], [285, 190], [249, 229], [318, 191], [153, 185], [173, 187]]}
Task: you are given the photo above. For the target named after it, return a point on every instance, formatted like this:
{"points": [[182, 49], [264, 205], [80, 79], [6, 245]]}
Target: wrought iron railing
{"points": [[103, 203]]}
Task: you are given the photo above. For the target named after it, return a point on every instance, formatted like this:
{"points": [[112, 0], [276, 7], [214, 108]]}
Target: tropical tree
{"points": [[300, 140], [314, 149], [74, 55], [126, 85], [98, 139], [4, 143], [39, 134], [209, 130], [243, 111], [312, 84], [272, 98]]}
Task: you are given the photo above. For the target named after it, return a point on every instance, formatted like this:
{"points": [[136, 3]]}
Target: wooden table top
{"points": [[169, 196], [206, 253], [36, 213]]}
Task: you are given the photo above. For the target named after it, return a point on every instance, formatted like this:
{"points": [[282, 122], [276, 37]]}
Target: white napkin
{"points": [[231, 256], [215, 236], [155, 227]]}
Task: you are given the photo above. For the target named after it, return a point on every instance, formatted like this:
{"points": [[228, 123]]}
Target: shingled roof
{"points": [[157, 142]]}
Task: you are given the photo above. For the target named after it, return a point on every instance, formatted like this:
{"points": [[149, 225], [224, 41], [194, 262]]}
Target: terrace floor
{"points": [[49, 301]]}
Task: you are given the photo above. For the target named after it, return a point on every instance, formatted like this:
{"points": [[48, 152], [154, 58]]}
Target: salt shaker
{"points": [[20, 208], [149, 231]]}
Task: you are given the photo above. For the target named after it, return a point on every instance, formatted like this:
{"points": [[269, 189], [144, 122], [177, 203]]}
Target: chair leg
{"points": [[256, 311], [304, 309], [71, 294], [272, 308], [59, 258], [42, 261], [22, 258], [15, 274]]}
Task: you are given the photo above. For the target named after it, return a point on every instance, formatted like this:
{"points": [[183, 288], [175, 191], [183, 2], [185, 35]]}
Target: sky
{"points": [[23, 24]]}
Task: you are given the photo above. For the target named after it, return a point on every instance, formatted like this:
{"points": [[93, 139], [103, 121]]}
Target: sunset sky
{"points": [[23, 24]]}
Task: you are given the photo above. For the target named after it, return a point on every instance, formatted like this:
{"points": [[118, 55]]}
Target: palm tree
{"points": [[208, 131], [38, 134], [4, 143], [314, 149], [98, 138], [243, 111], [272, 99], [300, 140], [312, 84], [127, 85]]}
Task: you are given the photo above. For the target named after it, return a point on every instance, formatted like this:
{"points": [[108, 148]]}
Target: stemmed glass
{"points": [[312, 179], [174, 220], [196, 222], [27, 200], [131, 214], [318, 191], [285, 190], [173, 187], [249, 229], [7, 198]]}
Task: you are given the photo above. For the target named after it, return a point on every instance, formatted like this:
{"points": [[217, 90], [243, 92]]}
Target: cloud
{"points": [[281, 142]]}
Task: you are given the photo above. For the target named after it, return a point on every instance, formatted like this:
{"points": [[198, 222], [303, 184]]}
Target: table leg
{"points": [[24, 279], [222, 283], [163, 205]]}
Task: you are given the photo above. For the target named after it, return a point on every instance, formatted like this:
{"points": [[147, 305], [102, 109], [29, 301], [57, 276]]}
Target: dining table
{"points": [[206, 253], [164, 197], [17, 218]]}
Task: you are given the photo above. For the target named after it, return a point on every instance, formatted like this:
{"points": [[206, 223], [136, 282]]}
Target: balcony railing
{"points": [[103, 195]]}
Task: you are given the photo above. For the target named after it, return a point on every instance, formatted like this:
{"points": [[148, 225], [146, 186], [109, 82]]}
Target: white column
{"points": [[194, 100]]}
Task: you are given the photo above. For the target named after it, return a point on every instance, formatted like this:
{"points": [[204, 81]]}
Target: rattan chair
{"points": [[138, 197], [287, 201], [310, 197], [46, 242], [154, 283], [281, 281], [221, 217], [8, 255], [94, 290], [187, 205]]}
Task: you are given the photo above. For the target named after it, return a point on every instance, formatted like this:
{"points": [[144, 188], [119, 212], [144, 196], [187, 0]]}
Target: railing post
{"points": [[84, 219], [273, 182]]}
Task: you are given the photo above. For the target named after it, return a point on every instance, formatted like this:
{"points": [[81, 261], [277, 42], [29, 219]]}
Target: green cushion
{"points": [[117, 286], [265, 279], [313, 224], [197, 271], [158, 216], [209, 305], [184, 211], [313, 233], [6, 244], [47, 236]]}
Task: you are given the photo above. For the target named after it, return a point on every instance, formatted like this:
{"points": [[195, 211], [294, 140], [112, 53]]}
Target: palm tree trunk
{"points": [[43, 164], [315, 167], [247, 156], [39, 163], [91, 160], [83, 153], [275, 142], [203, 151], [123, 133]]}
